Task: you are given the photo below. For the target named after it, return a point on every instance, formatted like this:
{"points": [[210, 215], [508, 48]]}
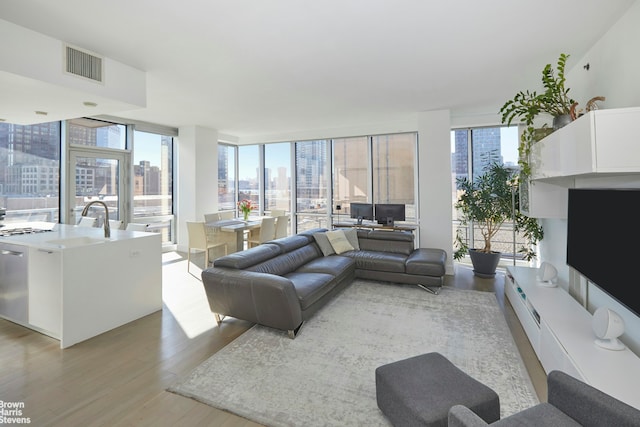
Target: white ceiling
{"points": [[260, 67]]}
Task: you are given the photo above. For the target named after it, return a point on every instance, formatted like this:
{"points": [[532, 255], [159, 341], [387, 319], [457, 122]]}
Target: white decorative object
{"points": [[608, 326], [547, 275]]}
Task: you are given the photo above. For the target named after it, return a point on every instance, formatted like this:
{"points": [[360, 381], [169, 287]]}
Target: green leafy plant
{"points": [[527, 105], [487, 202]]}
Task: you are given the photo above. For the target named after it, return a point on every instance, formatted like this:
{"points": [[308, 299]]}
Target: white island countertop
{"points": [[81, 284], [63, 236]]}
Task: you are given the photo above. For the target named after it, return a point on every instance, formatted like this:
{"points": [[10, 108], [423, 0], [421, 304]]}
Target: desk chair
{"points": [[136, 226], [282, 224], [199, 240], [267, 232]]}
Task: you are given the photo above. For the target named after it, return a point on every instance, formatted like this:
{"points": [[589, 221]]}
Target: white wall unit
{"points": [[601, 141], [561, 334], [540, 199]]}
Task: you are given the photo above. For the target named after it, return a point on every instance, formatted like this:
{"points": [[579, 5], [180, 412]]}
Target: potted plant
{"points": [[526, 106], [488, 202]]}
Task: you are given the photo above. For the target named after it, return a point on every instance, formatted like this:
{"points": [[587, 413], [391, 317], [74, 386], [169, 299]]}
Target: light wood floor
{"points": [[119, 378]]}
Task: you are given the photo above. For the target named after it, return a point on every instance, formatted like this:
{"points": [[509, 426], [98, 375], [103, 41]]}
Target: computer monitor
{"points": [[387, 213], [361, 211]]}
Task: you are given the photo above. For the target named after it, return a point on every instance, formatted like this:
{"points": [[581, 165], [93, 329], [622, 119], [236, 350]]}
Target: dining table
{"points": [[237, 226]]}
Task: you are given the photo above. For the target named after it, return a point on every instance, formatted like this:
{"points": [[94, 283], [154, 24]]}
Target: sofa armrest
{"points": [[263, 298], [461, 416], [586, 404]]}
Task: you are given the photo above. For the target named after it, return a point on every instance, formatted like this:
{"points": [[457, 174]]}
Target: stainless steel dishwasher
{"points": [[14, 287]]}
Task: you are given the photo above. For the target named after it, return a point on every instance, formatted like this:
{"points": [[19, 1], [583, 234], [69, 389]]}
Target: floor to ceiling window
{"points": [[30, 171], [153, 182], [249, 166], [472, 150], [393, 158], [351, 177], [226, 177], [312, 190], [277, 176], [375, 169]]}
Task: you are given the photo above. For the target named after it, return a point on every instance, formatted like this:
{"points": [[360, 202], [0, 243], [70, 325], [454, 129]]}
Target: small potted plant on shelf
{"points": [[489, 201], [526, 106]]}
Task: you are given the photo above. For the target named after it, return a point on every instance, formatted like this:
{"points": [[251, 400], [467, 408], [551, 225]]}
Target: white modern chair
{"points": [[226, 215], [212, 217], [282, 224], [267, 232], [136, 226], [115, 224], [277, 212], [198, 240], [87, 221]]}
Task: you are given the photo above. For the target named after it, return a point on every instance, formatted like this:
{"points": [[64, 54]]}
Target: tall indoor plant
{"points": [[489, 201], [526, 106]]}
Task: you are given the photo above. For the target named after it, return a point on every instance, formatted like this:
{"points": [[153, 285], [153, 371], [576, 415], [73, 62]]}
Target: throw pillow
{"points": [[323, 242], [352, 237], [339, 241]]}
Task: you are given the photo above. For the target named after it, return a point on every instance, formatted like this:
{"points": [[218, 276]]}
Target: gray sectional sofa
{"points": [[281, 283]]}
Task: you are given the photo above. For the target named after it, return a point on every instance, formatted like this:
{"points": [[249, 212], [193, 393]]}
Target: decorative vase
{"points": [[484, 264], [245, 214], [561, 121]]}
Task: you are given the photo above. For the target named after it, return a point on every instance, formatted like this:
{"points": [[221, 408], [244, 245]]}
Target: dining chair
{"points": [[267, 232], [282, 224], [136, 226], [115, 224], [87, 221], [227, 215], [199, 240], [212, 217], [277, 212]]}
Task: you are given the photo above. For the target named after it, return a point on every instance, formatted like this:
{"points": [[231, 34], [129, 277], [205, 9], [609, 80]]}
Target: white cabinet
{"points": [[561, 334], [601, 141], [45, 290], [540, 199]]}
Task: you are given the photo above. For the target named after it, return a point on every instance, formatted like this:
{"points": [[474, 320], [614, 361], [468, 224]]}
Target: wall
{"points": [[197, 185], [612, 73]]}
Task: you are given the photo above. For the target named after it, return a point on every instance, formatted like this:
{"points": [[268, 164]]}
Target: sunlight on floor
{"points": [[184, 296]]}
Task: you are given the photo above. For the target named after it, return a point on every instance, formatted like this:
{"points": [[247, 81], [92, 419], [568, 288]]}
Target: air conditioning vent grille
{"points": [[84, 64]]}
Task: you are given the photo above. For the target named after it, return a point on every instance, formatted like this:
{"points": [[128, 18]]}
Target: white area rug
{"points": [[326, 376]]}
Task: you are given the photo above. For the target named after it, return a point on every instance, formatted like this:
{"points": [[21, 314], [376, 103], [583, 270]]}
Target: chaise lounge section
{"points": [[282, 283]]}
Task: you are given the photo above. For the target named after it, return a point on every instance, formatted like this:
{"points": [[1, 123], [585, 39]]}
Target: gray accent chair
{"points": [[570, 402]]}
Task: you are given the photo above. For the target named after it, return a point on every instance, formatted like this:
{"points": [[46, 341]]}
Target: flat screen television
{"points": [[361, 211], [388, 213], [603, 241]]}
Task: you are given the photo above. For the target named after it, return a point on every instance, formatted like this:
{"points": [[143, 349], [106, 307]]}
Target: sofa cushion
{"points": [[352, 236], [289, 243], [245, 259], [334, 265], [541, 415], [339, 241], [427, 262], [288, 262], [378, 261], [310, 287], [323, 242], [388, 241]]}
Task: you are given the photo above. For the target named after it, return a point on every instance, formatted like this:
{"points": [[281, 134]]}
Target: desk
{"points": [[375, 226], [236, 226]]}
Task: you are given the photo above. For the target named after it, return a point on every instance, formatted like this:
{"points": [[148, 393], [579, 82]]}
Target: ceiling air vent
{"points": [[83, 64]]}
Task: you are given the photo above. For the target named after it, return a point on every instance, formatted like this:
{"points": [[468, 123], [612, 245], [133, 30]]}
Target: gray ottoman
{"points": [[419, 391]]}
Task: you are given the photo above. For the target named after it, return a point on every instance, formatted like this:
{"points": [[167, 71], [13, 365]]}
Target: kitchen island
{"points": [[80, 284]]}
